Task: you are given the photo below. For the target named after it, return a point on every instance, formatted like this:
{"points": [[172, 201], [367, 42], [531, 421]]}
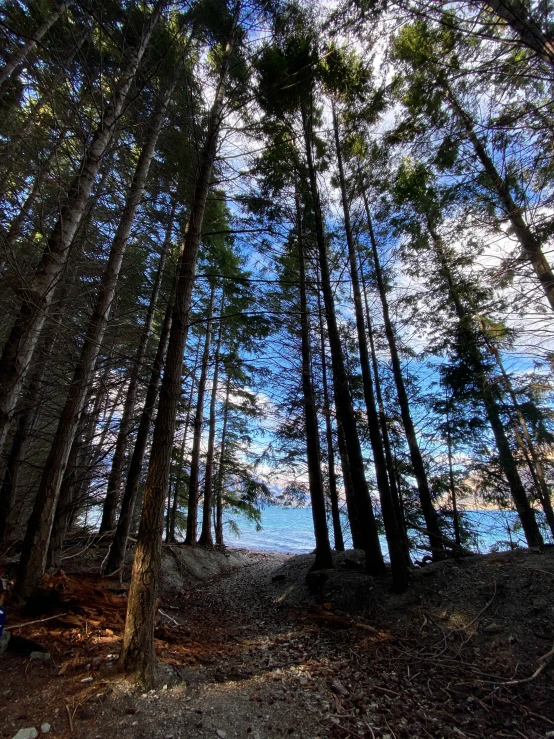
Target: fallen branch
{"points": [[478, 616], [170, 618], [92, 540], [386, 690], [365, 627], [524, 708], [70, 717], [38, 621], [544, 661], [371, 730], [341, 622]]}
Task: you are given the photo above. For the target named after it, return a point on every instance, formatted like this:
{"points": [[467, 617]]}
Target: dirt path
{"points": [[256, 655]]}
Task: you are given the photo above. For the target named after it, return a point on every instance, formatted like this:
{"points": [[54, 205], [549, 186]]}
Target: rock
{"points": [[42, 656], [4, 639], [492, 629], [30, 733], [221, 734], [45, 728], [338, 688]]}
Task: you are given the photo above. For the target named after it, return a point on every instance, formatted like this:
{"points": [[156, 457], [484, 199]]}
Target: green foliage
{"points": [[344, 75]]}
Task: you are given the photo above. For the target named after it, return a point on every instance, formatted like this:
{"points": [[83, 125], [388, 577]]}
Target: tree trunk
{"points": [[114, 480], [25, 423], [194, 478], [30, 411], [116, 555], [429, 513], [89, 451], [181, 469], [221, 471], [12, 149], [16, 226], [353, 519], [398, 560], [345, 411], [457, 537], [509, 466], [172, 517], [111, 405], [206, 539], [539, 482], [333, 492], [20, 55], [395, 492], [137, 653], [63, 509], [516, 15], [21, 343], [526, 444], [530, 245], [506, 458], [323, 558], [37, 537]]}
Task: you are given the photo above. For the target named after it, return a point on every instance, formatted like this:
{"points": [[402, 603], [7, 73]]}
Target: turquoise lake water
{"points": [[291, 530]]}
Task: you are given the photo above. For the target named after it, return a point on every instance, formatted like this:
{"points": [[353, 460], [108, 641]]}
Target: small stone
{"points": [[221, 734], [4, 639], [30, 733], [87, 679], [43, 656], [45, 728], [492, 629], [338, 688]]}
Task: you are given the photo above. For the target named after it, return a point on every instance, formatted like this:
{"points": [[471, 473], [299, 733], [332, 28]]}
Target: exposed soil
{"points": [[256, 652]]}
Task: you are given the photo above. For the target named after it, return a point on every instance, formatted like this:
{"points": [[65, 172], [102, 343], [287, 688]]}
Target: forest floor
{"points": [[253, 651]]}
